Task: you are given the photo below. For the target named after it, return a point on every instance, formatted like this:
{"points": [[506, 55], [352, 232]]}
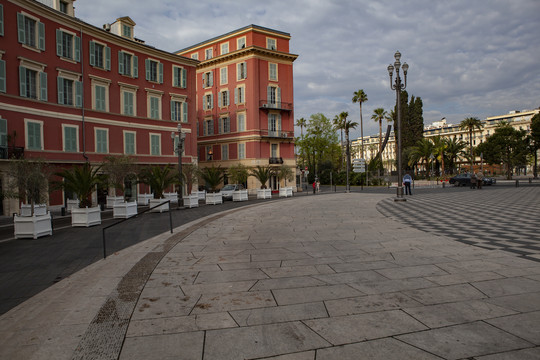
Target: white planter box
{"points": [[191, 201], [264, 193], [240, 195], [125, 210], [143, 199], [289, 191], [32, 226], [214, 198], [201, 194], [86, 216], [156, 202], [39, 209], [71, 204], [171, 196], [285, 192], [113, 200]]}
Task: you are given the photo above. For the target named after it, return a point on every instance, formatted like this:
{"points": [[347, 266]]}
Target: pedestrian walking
{"points": [[473, 180], [318, 186], [479, 180], [314, 186], [407, 180]]}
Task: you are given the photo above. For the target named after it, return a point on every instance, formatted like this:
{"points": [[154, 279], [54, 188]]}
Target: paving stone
{"points": [[286, 283], [469, 266], [184, 346], [312, 294], [260, 341], [509, 286], [350, 277], [522, 325], [358, 266], [383, 349], [249, 265], [171, 279], [290, 271], [462, 278], [369, 303], [440, 315], [525, 354], [305, 355], [279, 314], [353, 328], [211, 303], [445, 294], [405, 272], [464, 341], [378, 287], [163, 306], [205, 277], [218, 288], [521, 302]]}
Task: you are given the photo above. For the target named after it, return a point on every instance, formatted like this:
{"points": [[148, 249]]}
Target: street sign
{"points": [[359, 165]]}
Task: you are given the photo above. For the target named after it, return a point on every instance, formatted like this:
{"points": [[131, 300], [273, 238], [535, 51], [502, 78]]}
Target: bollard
{"points": [[517, 183], [63, 211], [443, 184], [530, 180]]}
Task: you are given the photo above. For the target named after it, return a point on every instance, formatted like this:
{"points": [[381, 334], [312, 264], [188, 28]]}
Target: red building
{"points": [[245, 100], [71, 92]]}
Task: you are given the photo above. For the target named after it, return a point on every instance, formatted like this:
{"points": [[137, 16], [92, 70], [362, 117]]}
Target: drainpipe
{"points": [[82, 100]]}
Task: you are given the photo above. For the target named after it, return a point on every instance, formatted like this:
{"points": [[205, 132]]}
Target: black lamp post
{"points": [[398, 86], [179, 150]]}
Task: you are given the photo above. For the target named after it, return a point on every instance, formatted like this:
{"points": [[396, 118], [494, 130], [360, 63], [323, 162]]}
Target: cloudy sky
{"points": [[466, 58]]}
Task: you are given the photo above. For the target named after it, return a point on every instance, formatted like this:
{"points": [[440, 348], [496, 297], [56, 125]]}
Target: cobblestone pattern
{"points": [[491, 218]]}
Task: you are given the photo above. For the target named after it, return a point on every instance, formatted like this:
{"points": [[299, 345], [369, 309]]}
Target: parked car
{"points": [[227, 190], [465, 180]]}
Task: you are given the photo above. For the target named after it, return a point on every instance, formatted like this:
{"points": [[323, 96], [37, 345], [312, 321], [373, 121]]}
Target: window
{"points": [[274, 150], [241, 151], [272, 71], [195, 56], [208, 102], [274, 96], [34, 136], [155, 144], [129, 142], [241, 71], [68, 46], [2, 76], [32, 83], [225, 152], [126, 31], [241, 43], [69, 92], [208, 54], [208, 79], [70, 138], [100, 102], [241, 118], [1, 20], [64, 7], [224, 48], [154, 71], [179, 77], [128, 64], [224, 125], [223, 79], [100, 56], [274, 124], [30, 32], [208, 128], [271, 44], [3, 136], [154, 107], [223, 99], [179, 111], [128, 101], [209, 153], [102, 136], [239, 95]]}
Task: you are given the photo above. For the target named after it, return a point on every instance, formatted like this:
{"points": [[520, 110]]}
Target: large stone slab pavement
{"points": [[320, 277]]}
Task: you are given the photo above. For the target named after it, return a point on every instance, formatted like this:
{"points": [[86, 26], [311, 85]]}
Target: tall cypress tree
{"points": [[412, 122]]}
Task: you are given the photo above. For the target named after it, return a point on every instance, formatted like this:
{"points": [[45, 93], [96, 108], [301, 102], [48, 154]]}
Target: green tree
{"points": [[302, 123], [158, 178], [421, 153], [454, 149], [239, 173], [439, 148], [80, 180], [212, 176], [262, 173], [190, 173], [470, 124], [535, 141], [360, 97], [285, 172], [118, 169], [29, 181]]}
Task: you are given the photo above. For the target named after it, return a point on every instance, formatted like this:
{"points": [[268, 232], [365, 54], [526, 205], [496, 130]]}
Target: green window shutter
{"points": [[41, 36], [60, 82], [211, 79], [34, 136], [1, 19], [43, 86], [135, 67], [129, 139], [184, 79], [121, 63], [176, 74], [269, 94], [147, 67], [70, 138], [2, 76], [279, 122], [21, 35], [220, 102], [107, 58], [185, 112], [203, 82], [278, 97], [78, 93], [77, 41], [161, 73], [58, 42], [92, 54], [154, 145], [211, 101], [3, 132], [173, 110], [22, 81], [236, 95]]}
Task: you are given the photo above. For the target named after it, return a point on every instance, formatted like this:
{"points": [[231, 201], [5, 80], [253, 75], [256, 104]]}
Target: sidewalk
{"points": [[325, 277]]}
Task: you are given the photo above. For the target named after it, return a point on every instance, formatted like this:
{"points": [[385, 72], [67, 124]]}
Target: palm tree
{"points": [[302, 122], [80, 180], [285, 172], [378, 115], [262, 173], [158, 178], [439, 148], [422, 151], [348, 125], [454, 149], [213, 176], [189, 175], [470, 124], [360, 97], [339, 124]]}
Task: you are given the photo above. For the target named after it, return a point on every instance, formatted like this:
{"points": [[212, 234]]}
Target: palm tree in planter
{"points": [[82, 181], [30, 178], [212, 176], [263, 174], [120, 169], [159, 179]]}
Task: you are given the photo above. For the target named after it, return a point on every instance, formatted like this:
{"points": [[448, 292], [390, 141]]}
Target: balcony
{"points": [[284, 135], [11, 152], [266, 105], [275, 160]]}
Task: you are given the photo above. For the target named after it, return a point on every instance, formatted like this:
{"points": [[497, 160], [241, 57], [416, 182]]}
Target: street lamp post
{"points": [[398, 86], [179, 150]]}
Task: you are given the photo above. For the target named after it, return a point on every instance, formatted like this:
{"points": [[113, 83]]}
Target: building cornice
{"points": [[252, 51]]}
